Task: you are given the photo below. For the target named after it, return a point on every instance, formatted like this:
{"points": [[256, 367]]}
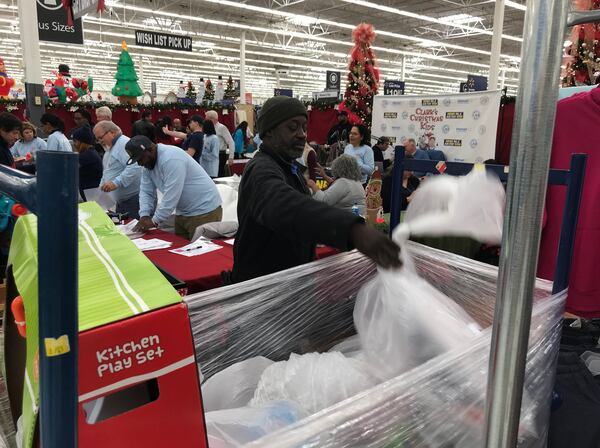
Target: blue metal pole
{"points": [[396, 206], [566, 243], [57, 178]]}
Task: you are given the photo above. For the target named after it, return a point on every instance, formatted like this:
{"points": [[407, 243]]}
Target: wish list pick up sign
{"points": [[162, 40]]}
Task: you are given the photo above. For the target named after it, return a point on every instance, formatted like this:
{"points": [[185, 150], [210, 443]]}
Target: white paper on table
{"points": [[106, 200], [229, 241], [199, 247], [151, 244], [127, 230]]}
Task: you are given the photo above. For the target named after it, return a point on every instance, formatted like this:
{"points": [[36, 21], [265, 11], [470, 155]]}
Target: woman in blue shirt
{"points": [[358, 148], [209, 160], [29, 143], [239, 138], [54, 127]]}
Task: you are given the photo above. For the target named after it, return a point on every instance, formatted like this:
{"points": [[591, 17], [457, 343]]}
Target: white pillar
{"points": [[32, 67], [503, 78], [243, 68], [403, 68], [496, 44]]}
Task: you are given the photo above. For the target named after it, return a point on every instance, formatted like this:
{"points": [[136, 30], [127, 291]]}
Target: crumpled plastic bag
{"points": [[234, 386], [237, 427], [315, 380], [471, 205], [402, 321]]}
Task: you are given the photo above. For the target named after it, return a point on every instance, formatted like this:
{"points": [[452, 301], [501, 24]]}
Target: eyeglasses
{"points": [[99, 139]]}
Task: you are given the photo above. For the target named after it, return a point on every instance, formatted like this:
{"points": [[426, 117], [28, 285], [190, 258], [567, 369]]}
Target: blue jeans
{"points": [[131, 206]]}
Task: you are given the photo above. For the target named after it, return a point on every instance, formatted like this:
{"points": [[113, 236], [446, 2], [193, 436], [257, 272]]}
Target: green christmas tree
{"points": [[230, 89], [209, 95], [126, 88], [190, 92]]}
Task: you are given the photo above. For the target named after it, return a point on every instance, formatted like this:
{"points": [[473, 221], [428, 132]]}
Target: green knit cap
{"points": [[276, 110]]}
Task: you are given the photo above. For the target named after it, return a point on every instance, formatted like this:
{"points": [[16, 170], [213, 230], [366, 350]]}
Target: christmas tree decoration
{"points": [[582, 56], [5, 82], [190, 92], [126, 88], [363, 76], [230, 93], [220, 90], [64, 88], [209, 94]]}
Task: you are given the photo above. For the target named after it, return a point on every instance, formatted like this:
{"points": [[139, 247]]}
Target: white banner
{"points": [[463, 125]]}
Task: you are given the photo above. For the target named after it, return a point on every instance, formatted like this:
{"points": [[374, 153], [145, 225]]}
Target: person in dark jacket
{"points": [[339, 132], [10, 132], [90, 163], [279, 223], [144, 126]]}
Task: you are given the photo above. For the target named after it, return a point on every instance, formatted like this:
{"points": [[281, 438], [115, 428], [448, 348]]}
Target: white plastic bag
{"points": [[234, 386], [236, 427], [471, 205], [229, 198], [315, 380], [403, 321]]}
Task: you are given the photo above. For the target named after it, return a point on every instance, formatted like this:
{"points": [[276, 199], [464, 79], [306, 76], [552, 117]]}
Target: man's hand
{"points": [[144, 224], [108, 187], [312, 185], [376, 246], [230, 162], [321, 171]]}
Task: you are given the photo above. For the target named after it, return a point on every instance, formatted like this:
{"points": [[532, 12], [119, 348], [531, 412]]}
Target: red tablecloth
{"points": [[202, 272], [239, 165]]}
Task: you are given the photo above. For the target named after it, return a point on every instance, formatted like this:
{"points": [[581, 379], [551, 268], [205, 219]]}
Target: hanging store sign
{"points": [[463, 125], [162, 40], [53, 24], [391, 87], [333, 81], [283, 92]]}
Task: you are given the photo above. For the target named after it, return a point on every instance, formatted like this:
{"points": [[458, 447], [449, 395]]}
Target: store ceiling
{"points": [[288, 42]]}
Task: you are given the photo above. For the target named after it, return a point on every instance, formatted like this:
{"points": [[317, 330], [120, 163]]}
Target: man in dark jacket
{"points": [[279, 223], [144, 126], [339, 132], [10, 132]]}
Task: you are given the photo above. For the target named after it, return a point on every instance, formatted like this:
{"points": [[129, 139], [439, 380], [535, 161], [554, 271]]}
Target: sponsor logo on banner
{"points": [[462, 130], [441, 167], [476, 115], [383, 126], [455, 115], [482, 129], [412, 103], [390, 115], [429, 102], [445, 129], [405, 115], [333, 81], [473, 143], [447, 102], [385, 104], [484, 100], [393, 139], [467, 101], [452, 142], [396, 128]]}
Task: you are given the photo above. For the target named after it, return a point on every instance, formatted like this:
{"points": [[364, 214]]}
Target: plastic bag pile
{"points": [[285, 367]]}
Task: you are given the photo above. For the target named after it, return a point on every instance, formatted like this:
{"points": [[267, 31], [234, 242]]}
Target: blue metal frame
{"points": [[53, 198], [573, 179]]}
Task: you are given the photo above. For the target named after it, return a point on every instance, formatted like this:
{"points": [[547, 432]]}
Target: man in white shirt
{"points": [[227, 146]]}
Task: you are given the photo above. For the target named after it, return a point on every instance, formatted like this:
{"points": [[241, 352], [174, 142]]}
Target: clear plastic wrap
{"points": [[309, 309]]}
